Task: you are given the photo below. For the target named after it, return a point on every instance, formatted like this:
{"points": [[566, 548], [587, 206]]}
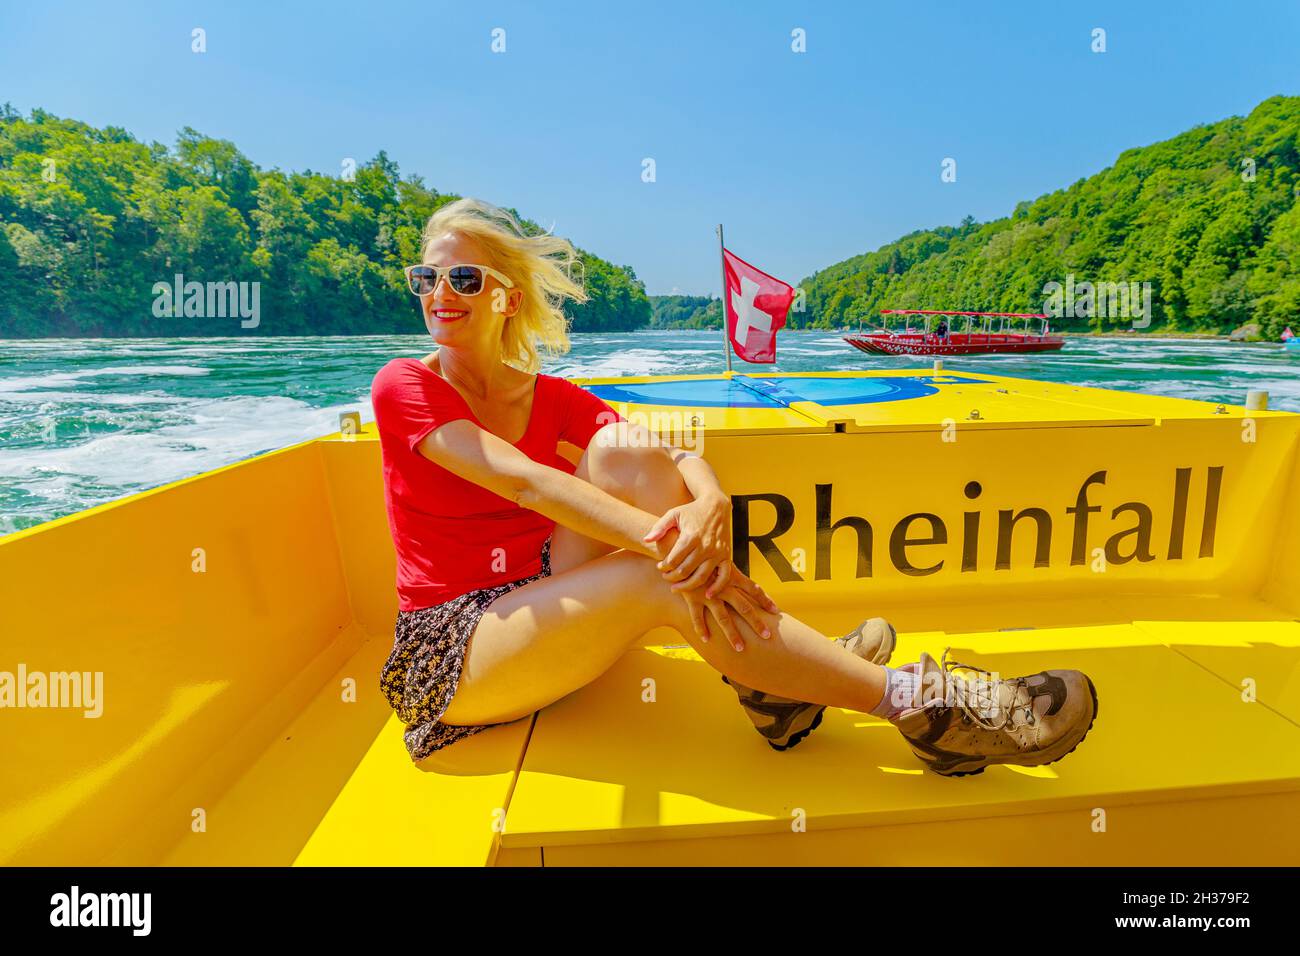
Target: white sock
{"points": [[900, 692]]}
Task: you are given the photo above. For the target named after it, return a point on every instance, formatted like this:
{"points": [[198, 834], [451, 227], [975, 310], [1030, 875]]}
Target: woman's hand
{"points": [[739, 596], [703, 543]]}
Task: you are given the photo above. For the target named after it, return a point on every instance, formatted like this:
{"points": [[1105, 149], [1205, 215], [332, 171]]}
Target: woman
{"points": [[522, 577]]}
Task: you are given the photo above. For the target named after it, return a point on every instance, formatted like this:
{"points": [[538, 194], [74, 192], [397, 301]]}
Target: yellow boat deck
{"points": [[240, 618]]}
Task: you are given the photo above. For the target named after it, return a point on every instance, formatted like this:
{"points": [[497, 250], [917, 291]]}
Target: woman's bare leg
{"points": [[620, 461], [546, 639]]}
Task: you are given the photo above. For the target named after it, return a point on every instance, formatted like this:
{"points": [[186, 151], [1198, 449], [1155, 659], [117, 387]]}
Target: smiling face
{"points": [[465, 321]]}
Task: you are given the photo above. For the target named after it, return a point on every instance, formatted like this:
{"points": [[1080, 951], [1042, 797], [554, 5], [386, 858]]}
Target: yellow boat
{"points": [[239, 619]]}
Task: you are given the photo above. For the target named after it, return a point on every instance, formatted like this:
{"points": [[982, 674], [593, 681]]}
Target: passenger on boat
{"points": [[942, 329], [523, 576]]}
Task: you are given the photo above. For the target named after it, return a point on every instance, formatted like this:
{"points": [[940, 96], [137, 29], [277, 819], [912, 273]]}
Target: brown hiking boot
{"points": [[785, 722], [961, 724]]}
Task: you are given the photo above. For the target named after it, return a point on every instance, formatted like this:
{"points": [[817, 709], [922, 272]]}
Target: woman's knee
{"points": [[624, 460]]}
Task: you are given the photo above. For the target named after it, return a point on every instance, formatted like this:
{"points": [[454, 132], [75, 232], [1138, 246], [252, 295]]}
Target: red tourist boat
{"points": [[945, 333]]}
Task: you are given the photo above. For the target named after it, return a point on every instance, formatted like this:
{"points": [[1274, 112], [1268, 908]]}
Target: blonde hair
{"points": [[539, 265]]}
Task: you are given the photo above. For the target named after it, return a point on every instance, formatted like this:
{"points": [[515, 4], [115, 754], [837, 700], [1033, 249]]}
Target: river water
{"points": [[87, 421]]}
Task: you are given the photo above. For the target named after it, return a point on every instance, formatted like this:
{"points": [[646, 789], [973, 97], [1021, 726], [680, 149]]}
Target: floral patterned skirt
{"points": [[422, 672]]}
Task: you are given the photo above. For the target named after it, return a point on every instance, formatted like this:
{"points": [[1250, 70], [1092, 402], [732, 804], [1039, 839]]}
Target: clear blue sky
{"points": [[806, 158]]}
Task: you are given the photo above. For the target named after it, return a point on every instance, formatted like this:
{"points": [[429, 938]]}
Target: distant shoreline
{"points": [[1214, 336], [1113, 334], [263, 335], [1191, 336], [1143, 335]]}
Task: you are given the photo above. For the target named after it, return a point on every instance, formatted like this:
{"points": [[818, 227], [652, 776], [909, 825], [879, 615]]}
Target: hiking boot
{"points": [[958, 725], [785, 722]]}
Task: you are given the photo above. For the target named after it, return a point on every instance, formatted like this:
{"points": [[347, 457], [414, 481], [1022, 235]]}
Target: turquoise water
{"points": [[86, 421]]}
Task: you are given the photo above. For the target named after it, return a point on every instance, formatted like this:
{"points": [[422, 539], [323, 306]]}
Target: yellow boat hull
{"points": [[239, 620]]}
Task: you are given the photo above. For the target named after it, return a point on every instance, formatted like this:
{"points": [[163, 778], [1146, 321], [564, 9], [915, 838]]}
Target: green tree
{"points": [[1205, 218], [91, 219]]}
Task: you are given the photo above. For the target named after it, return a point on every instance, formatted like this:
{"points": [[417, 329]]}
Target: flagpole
{"points": [[726, 341]]}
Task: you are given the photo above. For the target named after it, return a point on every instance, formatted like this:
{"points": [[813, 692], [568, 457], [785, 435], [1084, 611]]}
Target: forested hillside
{"points": [[91, 219], [685, 312], [1210, 218]]}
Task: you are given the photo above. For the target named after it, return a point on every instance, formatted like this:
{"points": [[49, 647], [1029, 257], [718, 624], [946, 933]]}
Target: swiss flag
{"points": [[757, 305]]}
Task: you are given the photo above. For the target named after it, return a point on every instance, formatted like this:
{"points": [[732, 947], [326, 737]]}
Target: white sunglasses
{"points": [[464, 278]]}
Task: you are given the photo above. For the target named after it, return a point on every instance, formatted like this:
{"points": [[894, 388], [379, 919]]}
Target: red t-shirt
{"points": [[451, 535]]}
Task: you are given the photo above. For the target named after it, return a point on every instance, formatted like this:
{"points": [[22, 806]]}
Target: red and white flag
{"points": [[757, 305]]}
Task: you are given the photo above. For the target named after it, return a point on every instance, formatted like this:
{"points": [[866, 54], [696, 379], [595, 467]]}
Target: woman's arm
{"points": [[703, 544], [477, 455], [698, 474]]}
